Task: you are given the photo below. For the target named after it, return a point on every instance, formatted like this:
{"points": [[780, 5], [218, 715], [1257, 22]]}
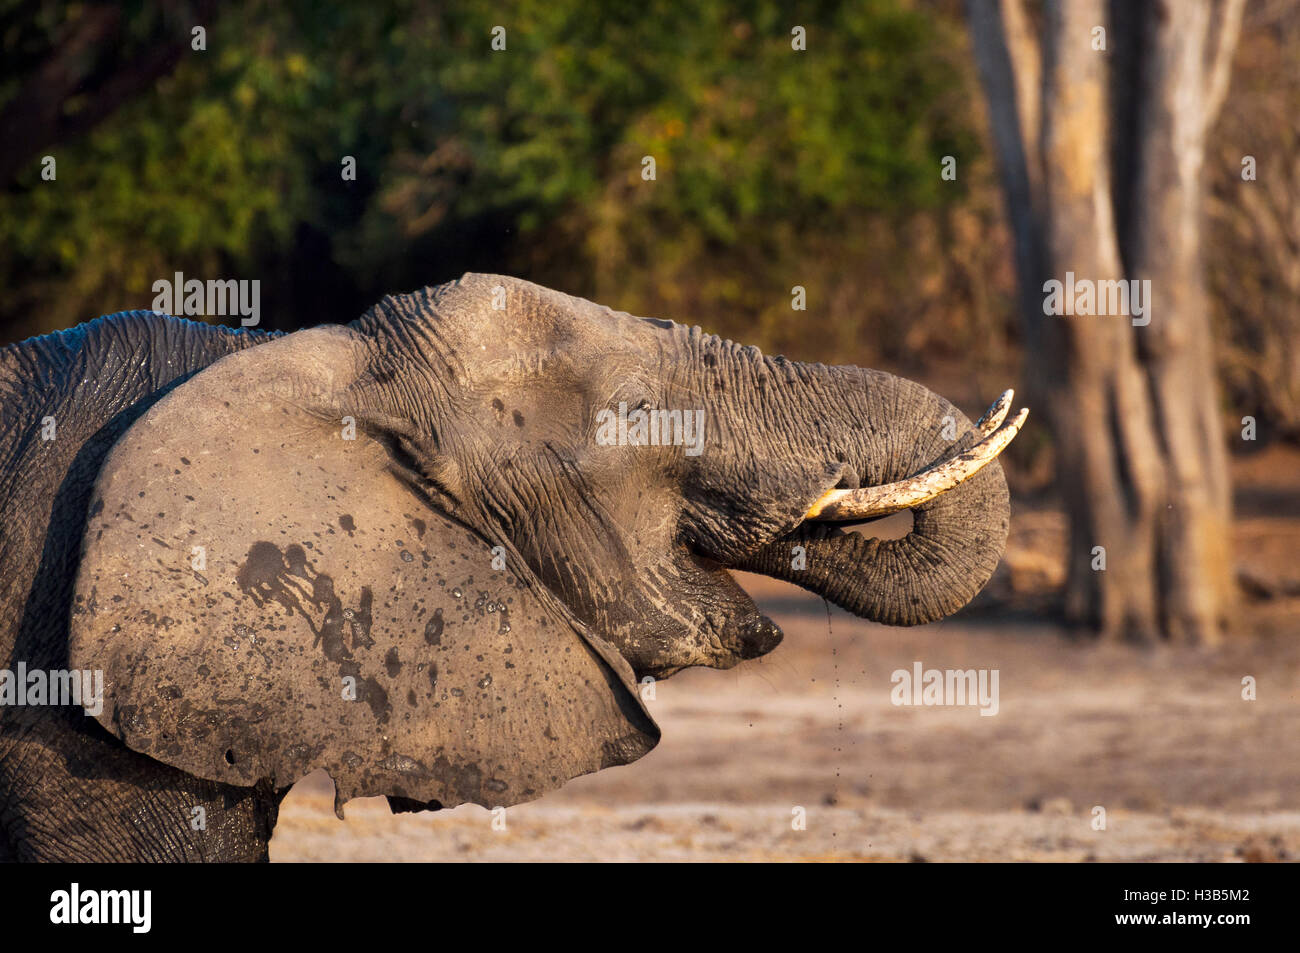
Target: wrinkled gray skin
{"points": [[488, 420]]}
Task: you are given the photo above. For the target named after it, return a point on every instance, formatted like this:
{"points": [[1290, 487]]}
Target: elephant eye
{"points": [[632, 403], [634, 395]]}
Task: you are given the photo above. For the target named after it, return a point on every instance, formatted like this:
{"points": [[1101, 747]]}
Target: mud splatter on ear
{"points": [[266, 597]]}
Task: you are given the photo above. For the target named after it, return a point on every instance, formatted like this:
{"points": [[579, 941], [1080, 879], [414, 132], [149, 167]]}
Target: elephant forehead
{"points": [[496, 311]]}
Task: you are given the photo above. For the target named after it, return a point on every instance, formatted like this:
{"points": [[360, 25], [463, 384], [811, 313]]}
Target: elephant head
{"points": [[433, 551]]}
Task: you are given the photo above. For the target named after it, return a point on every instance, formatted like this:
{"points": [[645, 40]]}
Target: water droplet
{"points": [[456, 592], [485, 681]]}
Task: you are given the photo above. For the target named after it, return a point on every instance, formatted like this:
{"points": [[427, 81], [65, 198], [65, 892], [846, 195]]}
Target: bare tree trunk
{"points": [[1178, 101], [1105, 449], [1140, 455]]}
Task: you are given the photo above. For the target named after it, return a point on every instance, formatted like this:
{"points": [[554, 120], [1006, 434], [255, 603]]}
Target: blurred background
{"points": [[919, 167]]}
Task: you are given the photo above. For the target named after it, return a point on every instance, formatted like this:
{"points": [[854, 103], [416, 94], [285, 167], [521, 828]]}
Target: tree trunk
{"points": [[1100, 152], [1194, 529]]}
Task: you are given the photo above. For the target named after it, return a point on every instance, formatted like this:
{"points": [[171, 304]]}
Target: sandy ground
{"points": [[1161, 739]]}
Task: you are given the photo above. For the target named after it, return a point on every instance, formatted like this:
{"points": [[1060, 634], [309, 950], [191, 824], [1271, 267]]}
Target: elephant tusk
{"points": [[996, 413], [874, 501]]}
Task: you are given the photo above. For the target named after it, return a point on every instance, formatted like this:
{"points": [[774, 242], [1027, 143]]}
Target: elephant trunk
{"points": [[897, 429]]}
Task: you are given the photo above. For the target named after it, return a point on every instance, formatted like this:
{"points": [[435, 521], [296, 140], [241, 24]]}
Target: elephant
{"points": [[435, 551]]}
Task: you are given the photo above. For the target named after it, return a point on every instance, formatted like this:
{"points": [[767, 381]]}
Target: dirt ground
{"points": [[1161, 739]]}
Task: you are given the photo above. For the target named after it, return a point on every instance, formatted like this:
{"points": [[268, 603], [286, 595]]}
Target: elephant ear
{"points": [[266, 597]]}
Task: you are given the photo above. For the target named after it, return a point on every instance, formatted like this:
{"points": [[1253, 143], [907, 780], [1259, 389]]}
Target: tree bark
{"points": [[1104, 180]]}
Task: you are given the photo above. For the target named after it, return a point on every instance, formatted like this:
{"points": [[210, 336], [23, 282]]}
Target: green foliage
{"points": [[526, 160]]}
